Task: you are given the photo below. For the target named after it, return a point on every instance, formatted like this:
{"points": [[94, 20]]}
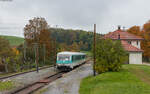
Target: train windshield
{"points": [[63, 58]]}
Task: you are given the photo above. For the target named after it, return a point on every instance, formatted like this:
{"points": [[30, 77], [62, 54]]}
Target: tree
{"points": [[36, 31], [5, 52], [33, 29], [110, 55], [144, 33], [135, 30], [68, 37], [145, 45]]}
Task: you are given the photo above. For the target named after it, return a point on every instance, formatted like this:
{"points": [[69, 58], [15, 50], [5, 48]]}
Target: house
{"points": [[130, 42]]}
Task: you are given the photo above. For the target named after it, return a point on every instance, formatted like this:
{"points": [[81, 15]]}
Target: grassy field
{"points": [[14, 41], [132, 79]]}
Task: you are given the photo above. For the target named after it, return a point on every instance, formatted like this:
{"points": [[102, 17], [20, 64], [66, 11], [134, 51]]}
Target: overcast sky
{"points": [[75, 14]]}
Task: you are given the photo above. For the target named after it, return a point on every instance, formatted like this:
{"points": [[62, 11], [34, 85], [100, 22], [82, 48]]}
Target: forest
{"points": [[72, 40]]}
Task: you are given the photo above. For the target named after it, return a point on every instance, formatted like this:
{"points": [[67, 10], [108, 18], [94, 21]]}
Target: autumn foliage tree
{"points": [[135, 30], [146, 43], [144, 33], [33, 30], [36, 31]]}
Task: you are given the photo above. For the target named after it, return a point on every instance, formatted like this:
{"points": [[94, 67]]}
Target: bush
{"points": [[2, 68], [110, 55]]}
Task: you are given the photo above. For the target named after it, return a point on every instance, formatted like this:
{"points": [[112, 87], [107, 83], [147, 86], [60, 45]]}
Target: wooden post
{"points": [[44, 47], [36, 56], [24, 49], [94, 54]]}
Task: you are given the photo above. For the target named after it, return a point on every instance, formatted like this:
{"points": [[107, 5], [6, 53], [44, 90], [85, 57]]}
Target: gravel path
{"points": [[70, 83], [29, 78], [146, 63]]}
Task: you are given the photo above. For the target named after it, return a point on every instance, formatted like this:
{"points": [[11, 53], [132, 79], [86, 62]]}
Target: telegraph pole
{"points": [[36, 50], [36, 56], [94, 54], [44, 47], [55, 52], [24, 49]]}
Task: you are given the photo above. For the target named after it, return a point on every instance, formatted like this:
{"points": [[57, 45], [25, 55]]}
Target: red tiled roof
{"points": [[123, 35], [129, 47]]}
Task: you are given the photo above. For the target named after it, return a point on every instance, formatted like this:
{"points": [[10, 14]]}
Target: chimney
{"points": [[119, 27], [124, 29]]}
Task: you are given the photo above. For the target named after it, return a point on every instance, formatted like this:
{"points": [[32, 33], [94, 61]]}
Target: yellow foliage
{"points": [[15, 51]]}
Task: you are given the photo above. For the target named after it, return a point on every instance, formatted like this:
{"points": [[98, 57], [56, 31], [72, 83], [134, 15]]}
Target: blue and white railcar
{"points": [[70, 59]]}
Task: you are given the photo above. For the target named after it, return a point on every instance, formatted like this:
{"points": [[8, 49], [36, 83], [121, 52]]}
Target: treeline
{"points": [[72, 40], [144, 32]]}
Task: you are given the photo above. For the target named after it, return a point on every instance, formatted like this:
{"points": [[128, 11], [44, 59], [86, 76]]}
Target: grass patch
{"points": [[6, 85], [132, 79]]}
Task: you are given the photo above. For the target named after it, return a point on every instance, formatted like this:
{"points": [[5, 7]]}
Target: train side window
{"points": [[73, 58]]}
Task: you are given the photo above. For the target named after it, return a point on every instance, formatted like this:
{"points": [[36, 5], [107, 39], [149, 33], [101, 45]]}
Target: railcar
{"points": [[68, 60]]}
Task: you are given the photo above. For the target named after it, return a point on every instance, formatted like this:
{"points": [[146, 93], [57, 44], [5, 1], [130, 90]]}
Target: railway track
{"points": [[17, 74], [29, 89], [37, 85]]}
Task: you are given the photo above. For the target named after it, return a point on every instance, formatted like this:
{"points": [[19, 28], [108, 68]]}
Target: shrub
{"points": [[110, 55]]}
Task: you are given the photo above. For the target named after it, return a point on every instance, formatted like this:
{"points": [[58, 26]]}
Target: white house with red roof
{"points": [[130, 42]]}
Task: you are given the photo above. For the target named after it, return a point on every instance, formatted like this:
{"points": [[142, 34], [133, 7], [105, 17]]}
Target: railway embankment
{"points": [[69, 83], [26, 79]]}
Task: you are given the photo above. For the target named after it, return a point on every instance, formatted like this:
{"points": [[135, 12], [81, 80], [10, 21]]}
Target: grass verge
{"points": [[6, 85], [132, 79]]}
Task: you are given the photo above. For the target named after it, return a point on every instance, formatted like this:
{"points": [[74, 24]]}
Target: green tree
{"points": [[110, 55], [5, 52]]}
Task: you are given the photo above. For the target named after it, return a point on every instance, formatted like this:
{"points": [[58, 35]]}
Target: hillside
{"points": [[14, 41], [73, 40]]}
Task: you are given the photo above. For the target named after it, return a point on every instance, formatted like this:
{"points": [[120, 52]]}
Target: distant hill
{"points": [[14, 41], [71, 40]]}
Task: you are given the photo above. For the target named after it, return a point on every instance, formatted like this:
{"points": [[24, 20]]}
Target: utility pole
{"points": [[36, 56], [94, 54], [44, 47], [24, 49], [36, 49], [55, 51]]}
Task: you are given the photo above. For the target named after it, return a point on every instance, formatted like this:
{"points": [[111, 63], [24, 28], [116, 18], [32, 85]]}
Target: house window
{"points": [[137, 42], [129, 42]]}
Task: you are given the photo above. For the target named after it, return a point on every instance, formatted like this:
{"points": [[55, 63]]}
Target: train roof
{"points": [[71, 53]]}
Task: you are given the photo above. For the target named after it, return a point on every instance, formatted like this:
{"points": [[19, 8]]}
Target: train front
{"points": [[64, 61]]}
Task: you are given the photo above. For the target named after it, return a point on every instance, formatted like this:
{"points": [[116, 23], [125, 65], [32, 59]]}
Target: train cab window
{"points": [[63, 58]]}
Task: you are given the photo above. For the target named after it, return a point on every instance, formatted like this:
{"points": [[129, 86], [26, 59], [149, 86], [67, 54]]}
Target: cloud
{"points": [[76, 14]]}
